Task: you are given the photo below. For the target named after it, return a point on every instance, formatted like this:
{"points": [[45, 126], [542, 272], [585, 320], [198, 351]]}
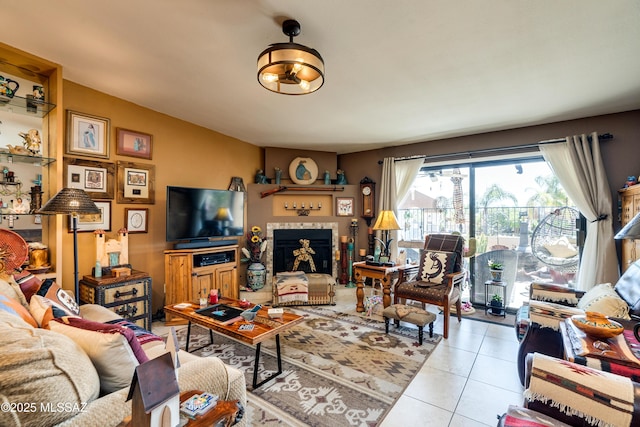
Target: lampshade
{"points": [[386, 221], [223, 214], [69, 201], [631, 230], [290, 68]]}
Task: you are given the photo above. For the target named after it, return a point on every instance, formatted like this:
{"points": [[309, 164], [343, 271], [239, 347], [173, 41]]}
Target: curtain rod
{"points": [[604, 136]]}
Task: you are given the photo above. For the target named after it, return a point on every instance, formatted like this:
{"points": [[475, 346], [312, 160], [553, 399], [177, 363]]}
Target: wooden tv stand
{"points": [[192, 273]]}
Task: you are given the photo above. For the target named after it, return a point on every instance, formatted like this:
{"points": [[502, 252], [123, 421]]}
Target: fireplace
{"points": [[284, 238]]}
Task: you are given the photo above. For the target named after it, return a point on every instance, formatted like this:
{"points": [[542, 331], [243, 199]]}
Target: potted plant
{"points": [[496, 270], [496, 304]]}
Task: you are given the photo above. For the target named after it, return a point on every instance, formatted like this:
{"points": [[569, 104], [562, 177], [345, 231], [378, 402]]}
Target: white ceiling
{"points": [[397, 72]]}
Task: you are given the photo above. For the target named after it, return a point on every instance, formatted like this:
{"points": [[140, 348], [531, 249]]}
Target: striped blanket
{"points": [[292, 286], [601, 398]]}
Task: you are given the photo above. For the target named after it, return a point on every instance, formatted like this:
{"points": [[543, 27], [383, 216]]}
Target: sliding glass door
{"points": [[502, 205]]}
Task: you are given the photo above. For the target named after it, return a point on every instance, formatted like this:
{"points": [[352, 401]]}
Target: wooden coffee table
{"points": [[264, 328]]}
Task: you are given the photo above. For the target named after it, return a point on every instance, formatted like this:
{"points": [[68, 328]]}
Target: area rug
{"points": [[338, 369]]}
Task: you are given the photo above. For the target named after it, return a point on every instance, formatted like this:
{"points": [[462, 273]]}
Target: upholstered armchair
{"points": [[440, 276]]}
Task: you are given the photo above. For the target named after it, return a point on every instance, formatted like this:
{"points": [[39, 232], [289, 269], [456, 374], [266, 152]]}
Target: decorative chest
{"points": [[127, 296]]}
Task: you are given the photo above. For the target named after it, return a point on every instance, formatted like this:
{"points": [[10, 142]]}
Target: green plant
{"points": [[496, 300], [493, 265]]}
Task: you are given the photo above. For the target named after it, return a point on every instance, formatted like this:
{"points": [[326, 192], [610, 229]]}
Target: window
{"points": [[500, 203]]}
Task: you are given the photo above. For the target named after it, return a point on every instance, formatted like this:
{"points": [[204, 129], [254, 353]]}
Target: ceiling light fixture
{"points": [[290, 68]]}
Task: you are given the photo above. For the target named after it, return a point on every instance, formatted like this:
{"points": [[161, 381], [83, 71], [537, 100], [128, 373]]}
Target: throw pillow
{"points": [[29, 284], [604, 299], [434, 266], [61, 299], [40, 366], [14, 307], [113, 349], [561, 248], [44, 310]]}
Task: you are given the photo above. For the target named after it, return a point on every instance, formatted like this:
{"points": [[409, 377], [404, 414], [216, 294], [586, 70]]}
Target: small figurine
{"points": [[32, 141], [631, 180], [260, 177], [341, 180]]}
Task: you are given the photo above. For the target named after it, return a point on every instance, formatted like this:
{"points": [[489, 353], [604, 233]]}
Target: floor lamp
{"points": [[631, 231], [71, 201]]}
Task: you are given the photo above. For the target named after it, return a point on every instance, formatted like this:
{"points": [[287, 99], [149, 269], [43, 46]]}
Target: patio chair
{"points": [[440, 276]]}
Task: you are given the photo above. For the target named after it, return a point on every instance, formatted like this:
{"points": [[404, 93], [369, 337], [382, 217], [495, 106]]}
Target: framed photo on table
{"points": [[136, 183], [136, 220], [92, 222], [87, 135], [95, 177], [134, 144], [344, 206]]}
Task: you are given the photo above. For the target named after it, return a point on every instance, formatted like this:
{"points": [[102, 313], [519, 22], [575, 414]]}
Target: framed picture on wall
{"points": [[87, 135], [135, 183], [344, 206], [92, 222], [136, 220], [95, 177], [134, 144]]}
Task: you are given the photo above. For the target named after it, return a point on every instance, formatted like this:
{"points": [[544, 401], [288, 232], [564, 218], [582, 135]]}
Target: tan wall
{"points": [[620, 155], [183, 153]]}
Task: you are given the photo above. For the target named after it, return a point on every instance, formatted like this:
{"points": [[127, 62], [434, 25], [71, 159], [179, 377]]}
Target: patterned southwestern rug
{"points": [[338, 369]]}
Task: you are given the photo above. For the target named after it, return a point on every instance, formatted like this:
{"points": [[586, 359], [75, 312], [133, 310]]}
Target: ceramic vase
{"points": [[256, 276], [496, 275]]}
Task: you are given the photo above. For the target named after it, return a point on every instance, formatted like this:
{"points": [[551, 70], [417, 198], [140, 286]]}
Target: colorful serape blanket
{"points": [[601, 398], [292, 286], [549, 315], [623, 366], [517, 416]]}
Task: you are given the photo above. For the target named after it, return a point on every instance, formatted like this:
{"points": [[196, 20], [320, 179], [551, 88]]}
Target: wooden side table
{"points": [[382, 273], [225, 411]]}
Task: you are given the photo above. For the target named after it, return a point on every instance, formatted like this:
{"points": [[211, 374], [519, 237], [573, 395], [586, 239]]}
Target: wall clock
{"points": [[368, 194]]}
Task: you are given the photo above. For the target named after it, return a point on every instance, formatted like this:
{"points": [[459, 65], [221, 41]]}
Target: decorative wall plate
{"points": [[14, 251], [303, 170]]}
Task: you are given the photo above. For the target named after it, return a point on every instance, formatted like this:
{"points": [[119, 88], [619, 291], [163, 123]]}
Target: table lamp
{"points": [[71, 201], [386, 222], [631, 231]]}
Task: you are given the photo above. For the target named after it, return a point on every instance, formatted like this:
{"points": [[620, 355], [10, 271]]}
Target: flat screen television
{"points": [[200, 215]]}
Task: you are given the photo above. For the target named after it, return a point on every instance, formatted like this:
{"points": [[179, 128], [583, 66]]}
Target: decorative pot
{"points": [[496, 275], [496, 307], [256, 276]]}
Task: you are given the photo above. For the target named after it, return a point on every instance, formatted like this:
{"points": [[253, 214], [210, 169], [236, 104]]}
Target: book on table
{"points": [[222, 313]]}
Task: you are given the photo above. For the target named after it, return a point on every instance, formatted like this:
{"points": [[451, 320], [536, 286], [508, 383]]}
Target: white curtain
{"points": [[397, 178], [578, 165]]}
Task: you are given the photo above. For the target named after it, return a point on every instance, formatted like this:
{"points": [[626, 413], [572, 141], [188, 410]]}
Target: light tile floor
{"points": [[469, 380]]}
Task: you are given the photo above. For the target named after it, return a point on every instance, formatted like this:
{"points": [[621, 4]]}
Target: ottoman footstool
{"points": [[413, 315]]}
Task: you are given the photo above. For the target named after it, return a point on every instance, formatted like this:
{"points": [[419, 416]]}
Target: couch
{"points": [[537, 324], [54, 373]]}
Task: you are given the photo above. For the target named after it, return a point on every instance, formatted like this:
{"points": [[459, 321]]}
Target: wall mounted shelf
{"points": [[27, 106]]}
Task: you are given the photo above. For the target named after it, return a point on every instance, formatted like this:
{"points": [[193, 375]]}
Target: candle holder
{"points": [[302, 210]]}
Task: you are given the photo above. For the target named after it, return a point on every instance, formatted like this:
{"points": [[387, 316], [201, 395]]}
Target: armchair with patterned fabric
{"points": [[440, 276]]}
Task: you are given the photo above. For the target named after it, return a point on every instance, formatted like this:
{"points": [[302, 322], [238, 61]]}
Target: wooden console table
{"points": [[381, 273]]}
